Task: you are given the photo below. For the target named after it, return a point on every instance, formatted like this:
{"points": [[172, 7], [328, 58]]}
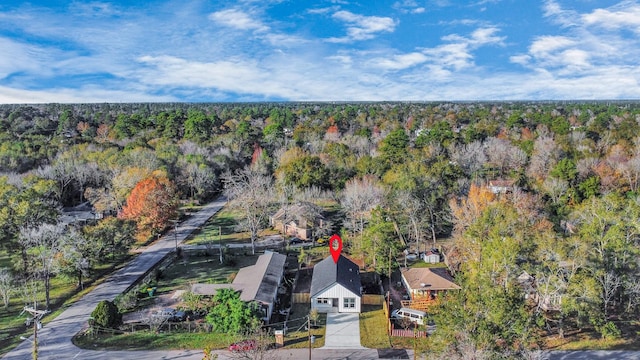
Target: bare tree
{"points": [[610, 283], [7, 286], [77, 253], [545, 155], [198, 177], [412, 208], [470, 157], [632, 289], [43, 245], [555, 188], [359, 197], [250, 193], [503, 155]]}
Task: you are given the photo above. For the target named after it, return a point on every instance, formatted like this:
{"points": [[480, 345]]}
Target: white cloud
{"points": [[92, 94], [408, 6], [624, 16], [593, 41], [18, 57], [361, 27], [237, 19], [399, 62]]}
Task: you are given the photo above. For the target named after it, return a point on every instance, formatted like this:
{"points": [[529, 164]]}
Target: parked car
{"points": [[178, 316], [295, 240], [412, 315], [245, 345], [165, 313]]}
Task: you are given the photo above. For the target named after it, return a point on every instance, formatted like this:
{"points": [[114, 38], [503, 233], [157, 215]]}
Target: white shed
{"points": [[431, 257]]}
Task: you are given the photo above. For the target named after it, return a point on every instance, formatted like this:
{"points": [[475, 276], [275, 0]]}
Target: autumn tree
{"points": [[466, 210], [151, 204]]}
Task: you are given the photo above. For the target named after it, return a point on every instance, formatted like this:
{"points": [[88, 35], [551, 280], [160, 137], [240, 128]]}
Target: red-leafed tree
{"points": [[151, 204]]}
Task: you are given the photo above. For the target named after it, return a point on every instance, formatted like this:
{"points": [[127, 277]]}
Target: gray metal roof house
{"points": [[257, 282], [336, 287]]}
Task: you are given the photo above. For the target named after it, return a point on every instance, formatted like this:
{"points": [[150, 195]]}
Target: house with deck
{"points": [[427, 283]]}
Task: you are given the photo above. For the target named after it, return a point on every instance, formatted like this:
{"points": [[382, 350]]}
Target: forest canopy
{"points": [[547, 189]]}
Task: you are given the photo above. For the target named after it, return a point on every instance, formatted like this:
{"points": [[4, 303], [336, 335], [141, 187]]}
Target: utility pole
{"points": [[309, 327], [220, 242], [36, 316], [389, 268]]}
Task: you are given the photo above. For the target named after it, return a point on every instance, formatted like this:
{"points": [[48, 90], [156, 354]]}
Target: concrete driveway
{"points": [[343, 331]]}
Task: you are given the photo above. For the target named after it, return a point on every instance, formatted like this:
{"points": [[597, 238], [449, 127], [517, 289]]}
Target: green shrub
{"points": [[106, 315], [609, 331]]}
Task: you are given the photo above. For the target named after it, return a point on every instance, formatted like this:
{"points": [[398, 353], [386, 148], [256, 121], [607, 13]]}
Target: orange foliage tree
{"points": [[151, 204], [466, 210]]}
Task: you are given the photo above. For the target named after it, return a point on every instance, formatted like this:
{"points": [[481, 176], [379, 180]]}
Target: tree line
{"points": [[404, 175]]}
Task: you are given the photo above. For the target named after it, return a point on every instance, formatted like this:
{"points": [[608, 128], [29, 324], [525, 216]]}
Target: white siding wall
{"points": [[339, 292]]}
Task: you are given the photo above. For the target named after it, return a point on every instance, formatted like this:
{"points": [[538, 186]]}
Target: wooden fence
{"points": [[371, 299], [407, 332], [301, 298], [367, 299]]}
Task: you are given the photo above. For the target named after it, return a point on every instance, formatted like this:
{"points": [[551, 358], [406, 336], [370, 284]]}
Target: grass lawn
{"points": [[422, 264], [373, 332], [147, 340], [63, 293], [195, 267], [297, 336], [589, 340], [373, 328], [220, 228]]}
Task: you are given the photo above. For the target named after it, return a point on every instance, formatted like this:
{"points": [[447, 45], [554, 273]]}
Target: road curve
{"points": [[54, 339]]}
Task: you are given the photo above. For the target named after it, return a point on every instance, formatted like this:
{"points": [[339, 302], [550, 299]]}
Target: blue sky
{"points": [[331, 50]]}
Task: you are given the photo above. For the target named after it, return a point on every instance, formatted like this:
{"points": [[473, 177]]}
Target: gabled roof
{"points": [[260, 281], [429, 279], [502, 182], [327, 273], [300, 212]]}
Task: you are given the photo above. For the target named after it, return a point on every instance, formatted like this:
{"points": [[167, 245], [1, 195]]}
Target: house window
{"points": [[322, 301], [349, 303]]}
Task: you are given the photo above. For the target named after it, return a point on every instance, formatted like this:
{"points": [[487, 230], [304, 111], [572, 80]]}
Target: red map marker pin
{"points": [[335, 245]]}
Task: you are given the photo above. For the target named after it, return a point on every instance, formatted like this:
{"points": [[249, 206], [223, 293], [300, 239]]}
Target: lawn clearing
{"points": [[221, 228], [373, 327], [148, 340], [297, 336]]}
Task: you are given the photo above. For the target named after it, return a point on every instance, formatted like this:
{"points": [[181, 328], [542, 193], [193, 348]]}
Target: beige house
{"points": [[299, 220], [427, 283]]}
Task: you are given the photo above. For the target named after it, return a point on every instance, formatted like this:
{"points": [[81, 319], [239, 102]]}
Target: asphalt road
{"points": [[54, 339]]}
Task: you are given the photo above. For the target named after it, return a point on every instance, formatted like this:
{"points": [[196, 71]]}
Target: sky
{"points": [[325, 50]]}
